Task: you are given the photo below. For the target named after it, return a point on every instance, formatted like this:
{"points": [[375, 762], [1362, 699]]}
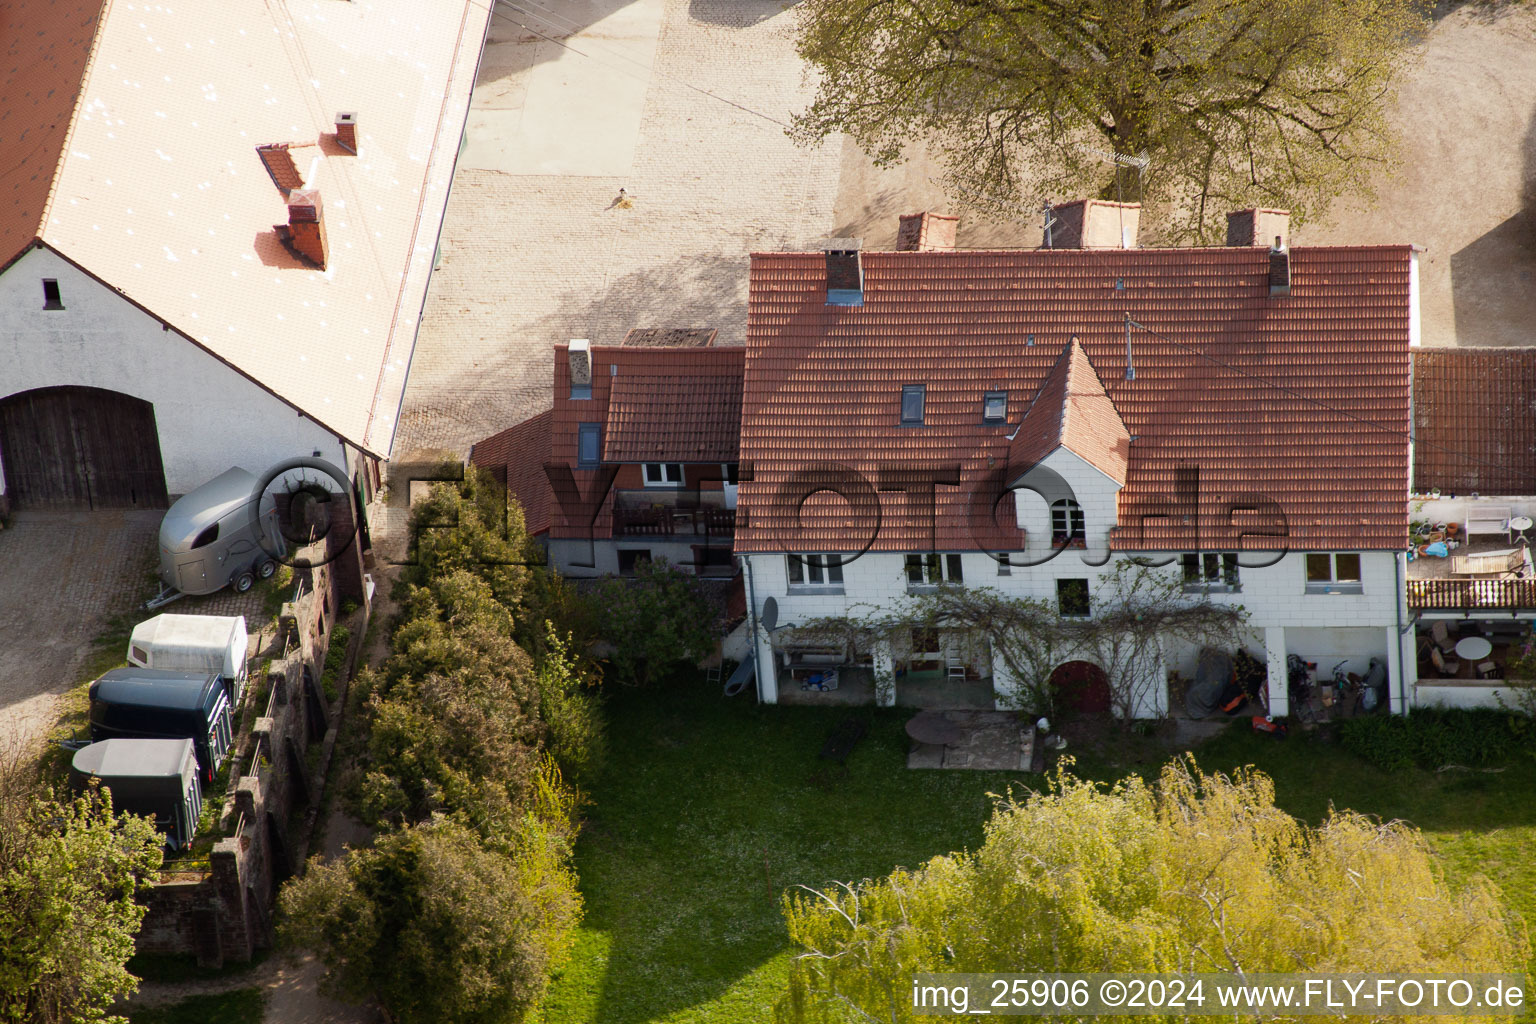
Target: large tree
{"points": [[1195, 873], [69, 871], [1233, 103], [437, 927]]}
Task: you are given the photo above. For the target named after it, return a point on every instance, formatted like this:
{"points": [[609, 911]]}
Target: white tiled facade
{"points": [[1283, 617]]}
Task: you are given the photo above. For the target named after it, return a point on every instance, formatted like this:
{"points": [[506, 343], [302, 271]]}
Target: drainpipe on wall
{"points": [[757, 679], [1401, 596]]}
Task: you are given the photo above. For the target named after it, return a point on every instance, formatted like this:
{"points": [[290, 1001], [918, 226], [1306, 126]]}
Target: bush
{"points": [[1433, 737], [335, 660], [572, 712], [436, 926], [655, 621]]}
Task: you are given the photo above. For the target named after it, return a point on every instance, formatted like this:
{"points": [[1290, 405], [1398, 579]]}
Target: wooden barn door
{"points": [[75, 446]]}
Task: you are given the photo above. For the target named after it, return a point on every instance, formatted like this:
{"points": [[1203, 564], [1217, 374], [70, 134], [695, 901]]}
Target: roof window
{"points": [[913, 399]]}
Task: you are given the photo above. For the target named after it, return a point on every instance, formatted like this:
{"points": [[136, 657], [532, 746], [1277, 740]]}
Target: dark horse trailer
{"points": [[142, 703], [154, 778]]}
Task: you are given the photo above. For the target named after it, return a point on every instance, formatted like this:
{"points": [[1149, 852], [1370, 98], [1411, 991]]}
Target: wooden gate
{"points": [[77, 446]]}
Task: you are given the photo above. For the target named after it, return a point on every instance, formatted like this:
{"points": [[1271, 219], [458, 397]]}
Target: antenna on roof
{"points": [[1130, 368]]}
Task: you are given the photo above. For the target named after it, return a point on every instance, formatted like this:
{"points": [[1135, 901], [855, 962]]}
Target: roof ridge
{"points": [[74, 117]]}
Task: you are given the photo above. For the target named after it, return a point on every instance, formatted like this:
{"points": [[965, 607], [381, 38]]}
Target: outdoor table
{"points": [[1518, 525], [933, 728], [1473, 648]]}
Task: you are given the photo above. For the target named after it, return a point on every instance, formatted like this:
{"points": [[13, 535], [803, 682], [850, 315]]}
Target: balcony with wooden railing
{"points": [[1462, 594], [670, 514]]}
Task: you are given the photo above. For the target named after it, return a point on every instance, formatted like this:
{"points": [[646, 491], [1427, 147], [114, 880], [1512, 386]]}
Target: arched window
{"points": [[1066, 521]]}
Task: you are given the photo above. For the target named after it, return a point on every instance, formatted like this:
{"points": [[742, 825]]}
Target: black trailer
{"points": [[143, 703], [154, 778]]}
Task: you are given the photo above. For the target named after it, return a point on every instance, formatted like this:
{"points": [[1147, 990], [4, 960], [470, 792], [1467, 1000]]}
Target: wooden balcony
{"points": [[1460, 595], [674, 521]]}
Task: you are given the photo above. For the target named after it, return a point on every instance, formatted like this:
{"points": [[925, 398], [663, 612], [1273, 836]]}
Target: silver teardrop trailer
{"points": [[210, 539]]}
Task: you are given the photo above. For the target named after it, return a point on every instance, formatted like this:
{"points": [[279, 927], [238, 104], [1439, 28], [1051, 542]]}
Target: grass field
{"points": [[711, 809], [242, 1006]]}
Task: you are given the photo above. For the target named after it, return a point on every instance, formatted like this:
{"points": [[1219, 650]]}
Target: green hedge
{"points": [[1433, 737]]}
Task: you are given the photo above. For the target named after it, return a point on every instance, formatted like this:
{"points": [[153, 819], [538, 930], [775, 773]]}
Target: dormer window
{"points": [[1066, 521], [994, 407], [913, 399], [663, 474]]}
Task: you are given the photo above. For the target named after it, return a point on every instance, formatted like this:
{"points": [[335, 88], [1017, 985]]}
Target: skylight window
{"points": [[994, 407], [913, 399]]}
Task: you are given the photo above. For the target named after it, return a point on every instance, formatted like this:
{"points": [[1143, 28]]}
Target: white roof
{"points": [[161, 194], [202, 632]]}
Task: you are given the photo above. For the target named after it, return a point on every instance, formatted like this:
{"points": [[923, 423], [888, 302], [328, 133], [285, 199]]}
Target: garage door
{"points": [[81, 447]]}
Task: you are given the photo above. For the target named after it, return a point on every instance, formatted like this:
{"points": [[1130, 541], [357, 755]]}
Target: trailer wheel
{"points": [[245, 581], [265, 568]]}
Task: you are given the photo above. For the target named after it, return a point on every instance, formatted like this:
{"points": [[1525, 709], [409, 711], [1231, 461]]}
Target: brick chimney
{"points": [[1258, 226], [845, 271], [304, 234], [1093, 224], [346, 132], [926, 232]]}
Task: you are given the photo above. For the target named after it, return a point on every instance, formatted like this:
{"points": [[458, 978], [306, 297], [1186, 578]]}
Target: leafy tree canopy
{"points": [[655, 621], [1234, 103], [454, 721], [1192, 873], [435, 926], [68, 874]]}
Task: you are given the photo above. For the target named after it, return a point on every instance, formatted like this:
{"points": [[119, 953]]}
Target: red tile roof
{"points": [[664, 412], [687, 399], [47, 48], [1239, 399], [1474, 417], [516, 456], [1072, 410]]}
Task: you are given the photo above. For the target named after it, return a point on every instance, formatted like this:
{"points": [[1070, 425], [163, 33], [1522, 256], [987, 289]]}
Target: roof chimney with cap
{"points": [[926, 232], [1094, 224], [346, 132], [1257, 226], [1279, 268], [304, 234], [845, 271], [580, 357]]}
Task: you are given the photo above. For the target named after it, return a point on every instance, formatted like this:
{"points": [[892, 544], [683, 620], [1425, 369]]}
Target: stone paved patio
{"points": [[991, 741]]}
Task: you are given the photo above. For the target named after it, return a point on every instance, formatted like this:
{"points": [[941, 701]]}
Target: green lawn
{"points": [[242, 1006], [712, 808]]}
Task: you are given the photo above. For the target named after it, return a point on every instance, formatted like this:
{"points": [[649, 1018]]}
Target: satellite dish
{"points": [[770, 614]]}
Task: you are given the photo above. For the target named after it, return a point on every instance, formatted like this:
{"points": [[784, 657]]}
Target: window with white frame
{"points": [[663, 474], [1210, 570], [1066, 521], [1072, 599], [1333, 572], [814, 570], [932, 569]]}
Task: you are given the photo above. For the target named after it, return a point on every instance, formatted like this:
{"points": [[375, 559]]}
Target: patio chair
{"points": [[954, 669], [1442, 636], [1447, 669], [1487, 670]]}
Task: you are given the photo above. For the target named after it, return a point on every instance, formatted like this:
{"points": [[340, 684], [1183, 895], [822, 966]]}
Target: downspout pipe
{"points": [[757, 679], [1401, 597]]}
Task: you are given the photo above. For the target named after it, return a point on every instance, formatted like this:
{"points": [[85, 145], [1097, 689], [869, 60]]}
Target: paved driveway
{"points": [[62, 575]]}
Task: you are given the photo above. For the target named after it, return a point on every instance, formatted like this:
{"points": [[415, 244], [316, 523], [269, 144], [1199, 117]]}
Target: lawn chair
{"points": [[1487, 670], [1442, 636], [1447, 669]]}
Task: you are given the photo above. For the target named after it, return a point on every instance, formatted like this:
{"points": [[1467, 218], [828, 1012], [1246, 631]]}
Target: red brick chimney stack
{"points": [[304, 233], [346, 132]]}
